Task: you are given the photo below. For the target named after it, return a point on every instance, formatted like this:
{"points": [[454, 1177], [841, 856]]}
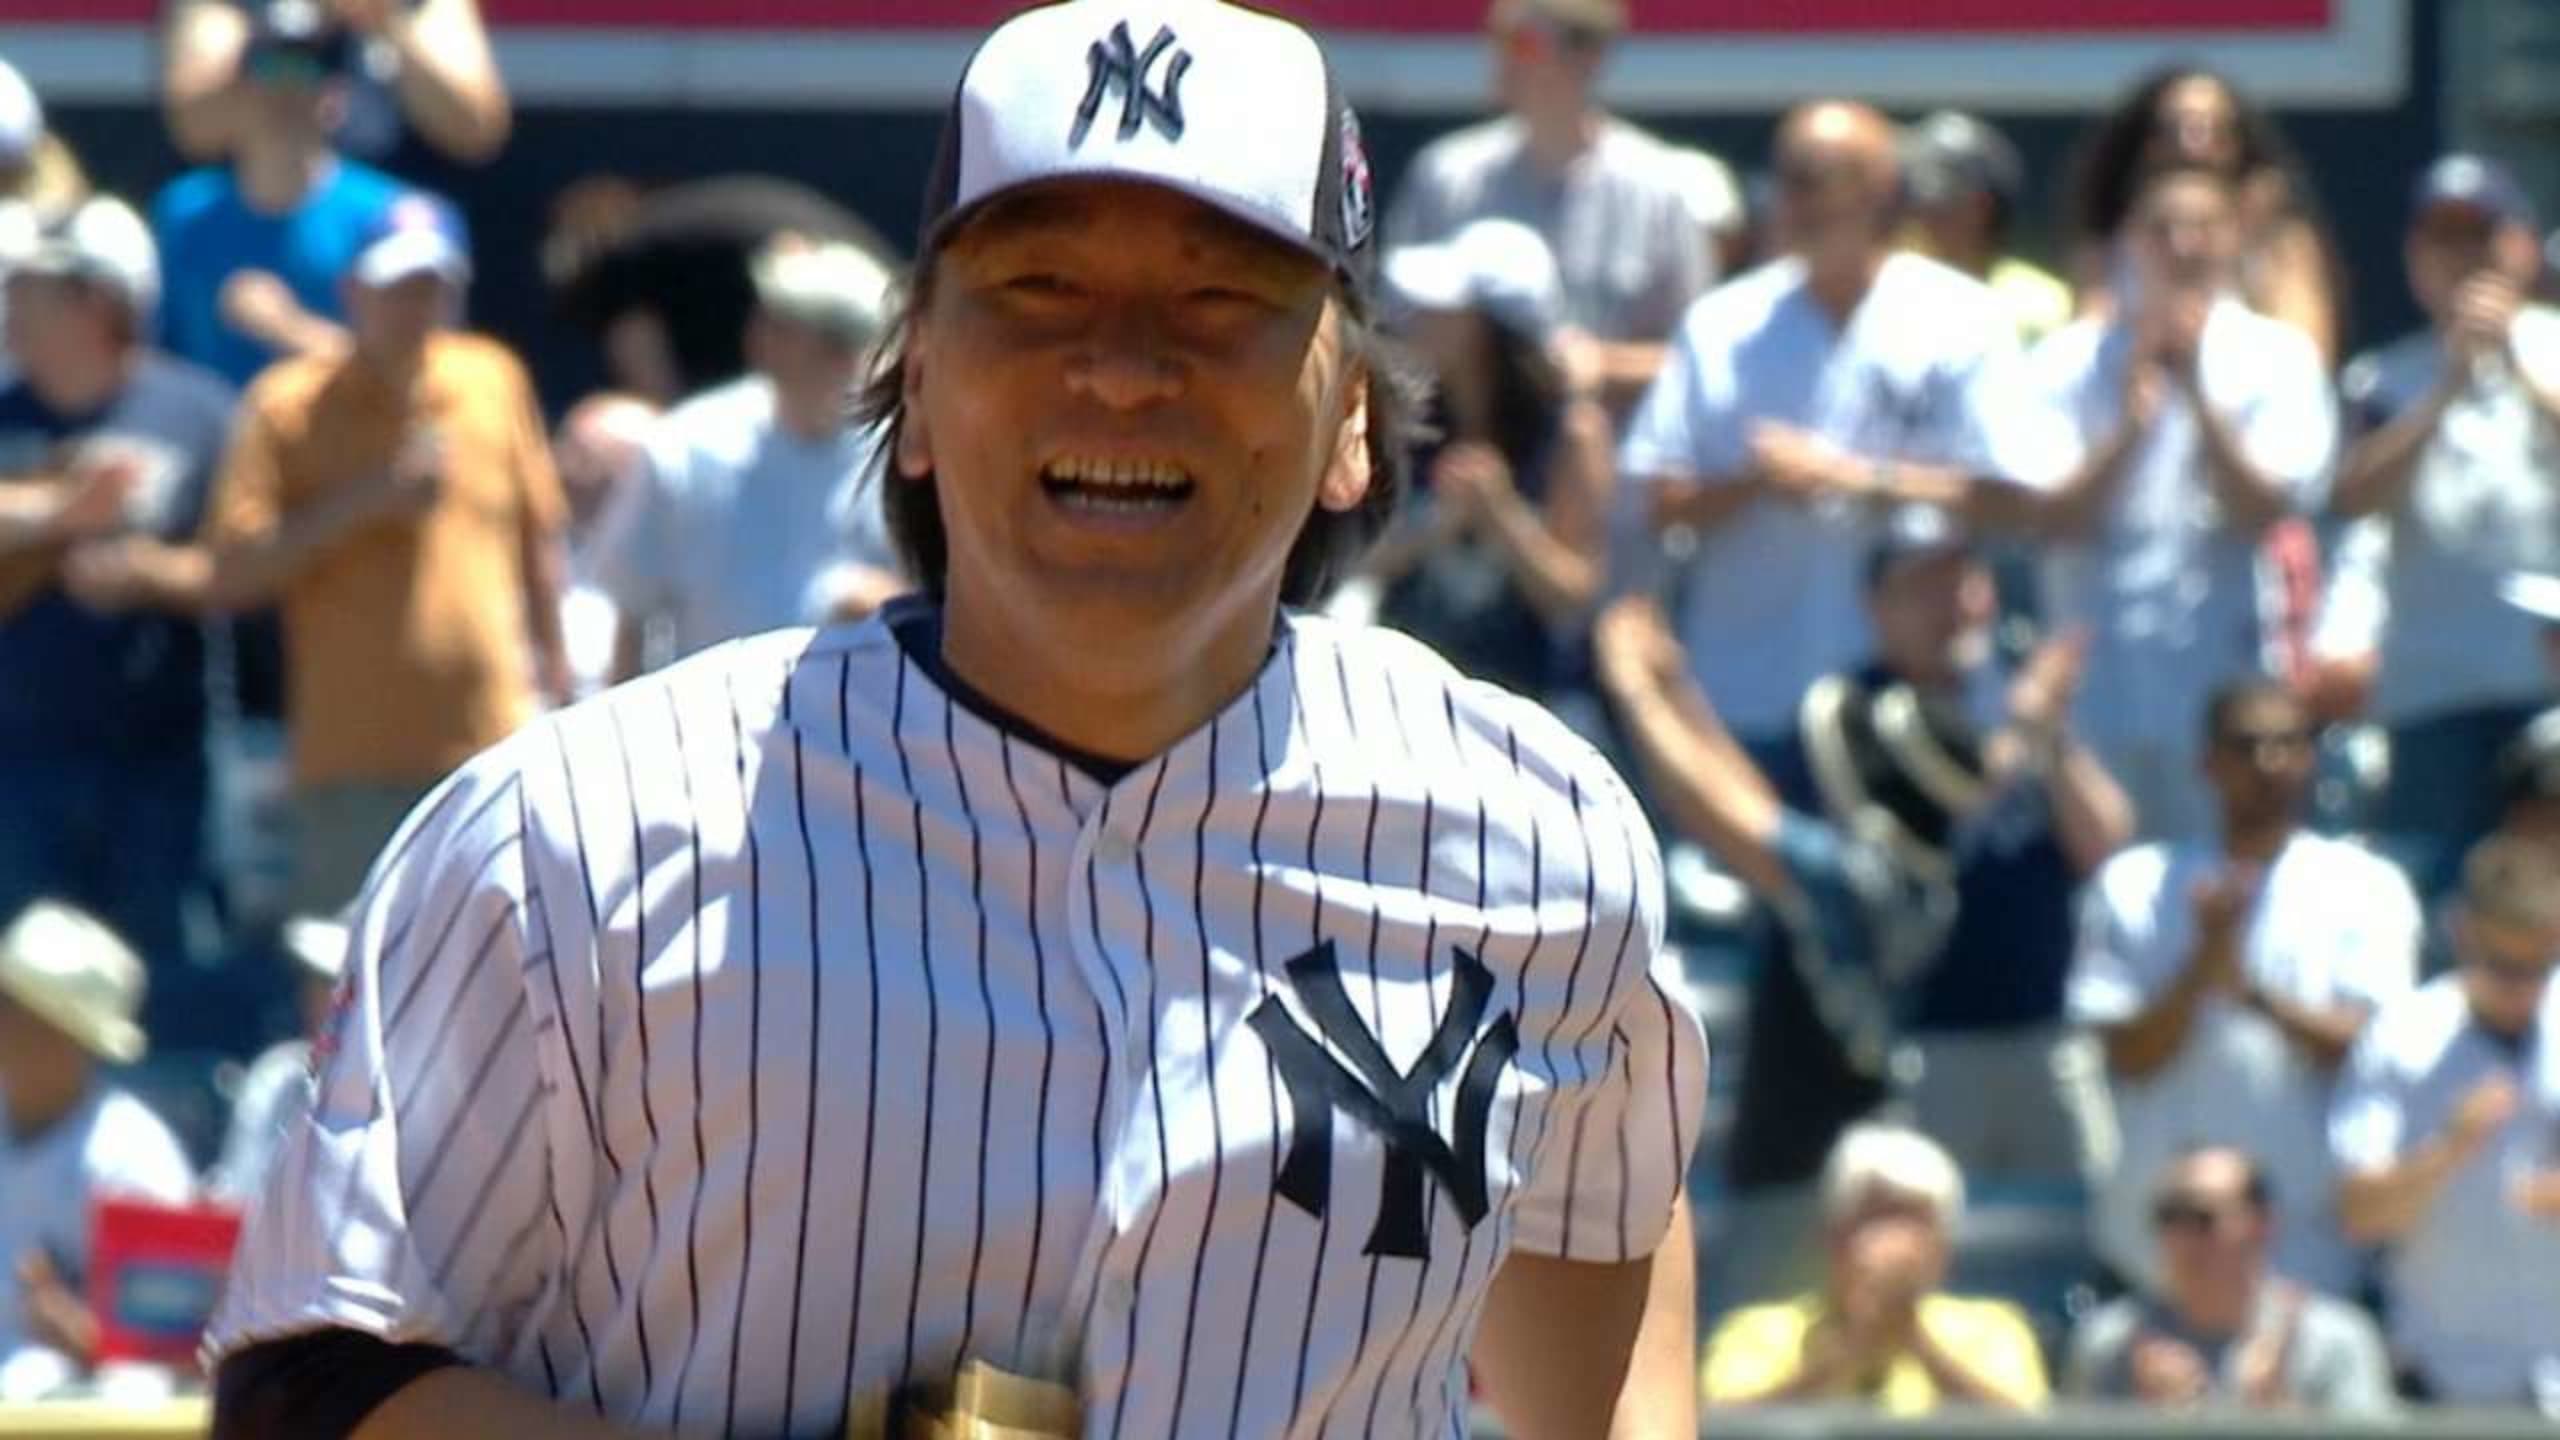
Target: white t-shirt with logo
{"points": [[1925, 370], [2335, 924], [2485, 502]]}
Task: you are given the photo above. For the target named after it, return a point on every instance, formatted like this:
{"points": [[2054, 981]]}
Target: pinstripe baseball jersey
{"points": [[789, 1025]]}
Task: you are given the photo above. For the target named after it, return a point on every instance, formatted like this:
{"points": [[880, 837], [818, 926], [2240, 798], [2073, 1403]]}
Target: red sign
{"points": [[1381, 17]]}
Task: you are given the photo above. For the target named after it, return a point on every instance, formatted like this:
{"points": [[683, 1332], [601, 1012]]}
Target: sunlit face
{"points": [[396, 319], [1130, 405], [2185, 234], [2505, 969], [1932, 614], [1832, 194], [2210, 1233], [49, 322], [1539, 64], [2261, 759], [2448, 244]]}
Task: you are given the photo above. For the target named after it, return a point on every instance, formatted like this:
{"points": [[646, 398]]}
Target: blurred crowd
{"points": [[2098, 726]]}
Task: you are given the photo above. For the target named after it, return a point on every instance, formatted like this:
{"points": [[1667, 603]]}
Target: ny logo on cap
{"points": [[1395, 1105], [1118, 64]]}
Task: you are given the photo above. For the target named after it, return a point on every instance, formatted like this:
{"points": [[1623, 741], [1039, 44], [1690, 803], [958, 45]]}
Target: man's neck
{"points": [[278, 173], [89, 387], [811, 415], [38, 1103], [1842, 287], [1559, 136], [396, 372], [2225, 1314], [2259, 840], [1105, 711]]}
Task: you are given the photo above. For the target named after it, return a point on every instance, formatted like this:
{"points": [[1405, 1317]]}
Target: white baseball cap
{"points": [[1229, 106], [69, 970], [21, 118], [829, 286], [416, 234], [1500, 267], [102, 243]]}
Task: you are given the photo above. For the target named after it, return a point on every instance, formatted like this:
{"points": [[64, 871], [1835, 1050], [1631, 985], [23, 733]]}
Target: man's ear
{"points": [[1346, 478], [914, 457]]}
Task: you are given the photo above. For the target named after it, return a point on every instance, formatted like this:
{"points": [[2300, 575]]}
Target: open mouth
{"points": [[1117, 488]]}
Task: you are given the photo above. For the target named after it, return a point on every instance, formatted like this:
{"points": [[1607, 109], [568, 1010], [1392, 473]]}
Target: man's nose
{"points": [[1127, 361]]}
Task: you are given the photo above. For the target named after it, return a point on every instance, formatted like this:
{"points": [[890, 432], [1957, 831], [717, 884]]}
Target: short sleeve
{"points": [[2010, 434], [2369, 1115], [2292, 430], [1757, 1349], [1680, 272], [415, 1204], [1676, 429], [2115, 965], [2051, 381], [2003, 1351], [248, 493], [1605, 1187], [2381, 960]]}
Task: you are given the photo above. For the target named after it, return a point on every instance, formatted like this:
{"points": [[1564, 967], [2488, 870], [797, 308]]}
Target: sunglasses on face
{"points": [[2518, 974], [2178, 1216], [2283, 743]]}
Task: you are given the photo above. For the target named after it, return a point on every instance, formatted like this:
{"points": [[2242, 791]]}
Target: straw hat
{"points": [[70, 971]]}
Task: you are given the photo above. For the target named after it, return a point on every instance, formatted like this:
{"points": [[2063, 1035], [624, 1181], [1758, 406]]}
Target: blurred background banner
{"points": [[1699, 55]]}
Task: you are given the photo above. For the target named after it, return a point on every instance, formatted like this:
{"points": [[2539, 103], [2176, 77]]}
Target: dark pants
{"points": [[124, 840]]}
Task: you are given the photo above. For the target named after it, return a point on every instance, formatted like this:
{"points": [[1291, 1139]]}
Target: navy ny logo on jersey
{"points": [[1395, 1105], [1118, 64]]}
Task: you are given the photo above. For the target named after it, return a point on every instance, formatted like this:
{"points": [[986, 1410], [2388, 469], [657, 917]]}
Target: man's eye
{"points": [[1039, 283]]}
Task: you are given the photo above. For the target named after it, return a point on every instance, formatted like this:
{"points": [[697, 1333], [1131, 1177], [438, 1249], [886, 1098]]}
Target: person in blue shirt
{"points": [[102, 712], [254, 248]]}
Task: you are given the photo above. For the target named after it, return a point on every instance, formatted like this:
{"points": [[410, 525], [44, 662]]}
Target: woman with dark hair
{"points": [[1497, 560], [2188, 115]]}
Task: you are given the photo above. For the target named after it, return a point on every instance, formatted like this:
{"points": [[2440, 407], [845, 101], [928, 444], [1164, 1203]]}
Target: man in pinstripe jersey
{"points": [[1093, 967]]}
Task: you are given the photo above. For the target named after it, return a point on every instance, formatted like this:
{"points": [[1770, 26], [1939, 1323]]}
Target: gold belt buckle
{"points": [[981, 1403]]}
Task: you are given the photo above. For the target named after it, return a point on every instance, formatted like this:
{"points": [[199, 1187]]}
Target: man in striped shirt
{"points": [[1090, 968]]}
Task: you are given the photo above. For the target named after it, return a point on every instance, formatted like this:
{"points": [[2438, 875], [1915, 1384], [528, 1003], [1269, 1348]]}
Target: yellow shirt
{"points": [[406, 645], [1760, 1347]]}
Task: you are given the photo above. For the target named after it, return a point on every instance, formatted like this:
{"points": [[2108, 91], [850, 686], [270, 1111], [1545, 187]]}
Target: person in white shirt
{"points": [[2199, 424], [2228, 978], [275, 1094], [2460, 456], [1803, 400], [757, 508], [1610, 200], [599, 449], [69, 990], [2447, 1135]]}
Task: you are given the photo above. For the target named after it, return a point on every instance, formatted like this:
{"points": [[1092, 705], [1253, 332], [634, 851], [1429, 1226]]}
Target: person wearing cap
{"points": [[2446, 1130], [255, 242], [2227, 980], [1801, 402], [2193, 427], [102, 707], [898, 1016], [427, 62], [70, 993], [757, 503], [2222, 1329], [397, 502], [1963, 183], [274, 1093], [1916, 845], [1604, 194], [1498, 561], [2456, 452]]}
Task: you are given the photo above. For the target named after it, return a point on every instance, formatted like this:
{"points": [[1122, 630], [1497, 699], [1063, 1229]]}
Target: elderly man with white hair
{"points": [[69, 991], [757, 506], [1881, 1330]]}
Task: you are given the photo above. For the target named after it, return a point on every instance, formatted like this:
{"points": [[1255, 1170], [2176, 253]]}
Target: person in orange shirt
{"points": [[397, 501]]}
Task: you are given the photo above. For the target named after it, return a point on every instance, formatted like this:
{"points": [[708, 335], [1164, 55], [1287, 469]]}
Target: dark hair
{"points": [[2238, 695], [1528, 395], [1327, 546], [2107, 176]]}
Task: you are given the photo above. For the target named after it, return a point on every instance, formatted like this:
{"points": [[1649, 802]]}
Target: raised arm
{"points": [[1697, 773]]}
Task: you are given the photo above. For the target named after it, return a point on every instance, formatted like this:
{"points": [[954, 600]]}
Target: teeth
{"points": [[1118, 474]]}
